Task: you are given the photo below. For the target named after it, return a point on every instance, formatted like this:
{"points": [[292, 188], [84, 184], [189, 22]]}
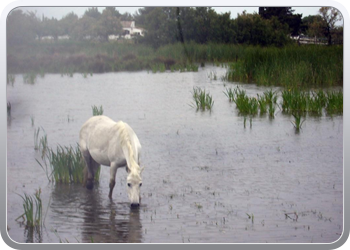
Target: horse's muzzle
{"points": [[135, 205]]}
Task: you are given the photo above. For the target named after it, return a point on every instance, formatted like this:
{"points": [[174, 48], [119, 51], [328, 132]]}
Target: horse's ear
{"points": [[142, 169], [127, 169]]}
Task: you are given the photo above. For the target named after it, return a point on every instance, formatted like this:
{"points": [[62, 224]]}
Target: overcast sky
{"points": [[59, 12]]}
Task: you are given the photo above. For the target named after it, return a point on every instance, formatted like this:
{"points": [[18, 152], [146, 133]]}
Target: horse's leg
{"points": [[89, 173], [113, 172], [94, 168]]}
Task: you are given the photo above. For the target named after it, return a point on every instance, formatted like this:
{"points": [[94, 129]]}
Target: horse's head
{"points": [[134, 183]]}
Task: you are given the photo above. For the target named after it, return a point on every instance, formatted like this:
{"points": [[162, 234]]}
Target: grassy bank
{"points": [[293, 66], [83, 57], [289, 66]]}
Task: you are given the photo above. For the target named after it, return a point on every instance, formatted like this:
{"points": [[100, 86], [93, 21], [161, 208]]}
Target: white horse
{"points": [[114, 144]]}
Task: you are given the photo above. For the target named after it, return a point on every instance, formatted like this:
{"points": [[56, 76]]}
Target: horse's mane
{"points": [[126, 142]]}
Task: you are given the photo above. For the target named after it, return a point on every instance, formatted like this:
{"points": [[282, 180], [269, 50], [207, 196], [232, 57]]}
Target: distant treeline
{"points": [[168, 25]]}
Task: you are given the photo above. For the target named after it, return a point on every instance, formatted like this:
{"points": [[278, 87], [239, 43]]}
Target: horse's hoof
{"points": [[135, 205], [89, 185]]}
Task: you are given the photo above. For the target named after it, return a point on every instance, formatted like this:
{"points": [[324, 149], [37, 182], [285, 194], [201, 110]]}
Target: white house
{"points": [[129, 31]]}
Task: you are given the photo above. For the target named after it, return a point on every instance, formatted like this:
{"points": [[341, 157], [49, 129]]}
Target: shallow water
{"points": [[205, 173]]}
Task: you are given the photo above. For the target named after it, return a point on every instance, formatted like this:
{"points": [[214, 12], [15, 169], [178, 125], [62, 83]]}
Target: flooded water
{"points": [[207, 178]]}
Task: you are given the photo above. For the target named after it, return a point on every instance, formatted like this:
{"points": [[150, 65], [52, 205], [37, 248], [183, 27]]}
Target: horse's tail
{"points": [[127, 146]]}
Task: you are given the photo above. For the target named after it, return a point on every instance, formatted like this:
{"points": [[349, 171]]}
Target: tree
{"points": [[330, 16], [284, 15], [109, 23], [68, 23], [21, 27]]}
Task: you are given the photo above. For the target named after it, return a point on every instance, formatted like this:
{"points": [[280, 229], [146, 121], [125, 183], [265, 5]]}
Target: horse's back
{"points": [[101, 137], [95, 125]]}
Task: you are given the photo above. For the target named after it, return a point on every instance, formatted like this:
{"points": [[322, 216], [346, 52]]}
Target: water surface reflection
{"points": [[97, 218]]}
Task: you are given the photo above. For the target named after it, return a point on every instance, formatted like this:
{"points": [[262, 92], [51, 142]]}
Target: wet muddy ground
{"points": [[206, 177]]}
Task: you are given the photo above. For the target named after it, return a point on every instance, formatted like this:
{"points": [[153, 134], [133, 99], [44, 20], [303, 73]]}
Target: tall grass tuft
{"points": [[30, 77], [245, 105], [11, 79], [296, 100], [334, 103], [66, 165], [203, 100], [298, 122], [32, 206], [97, 110]]}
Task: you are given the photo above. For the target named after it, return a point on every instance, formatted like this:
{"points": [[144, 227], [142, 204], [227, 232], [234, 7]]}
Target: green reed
{"points": [[11, 79], [30, 77], [246, 105], [334, 103], [32, 206], [289, 66], [67, 164], [8, 108], [203, 100], [97, 110], [313, 102], [298, 121]]}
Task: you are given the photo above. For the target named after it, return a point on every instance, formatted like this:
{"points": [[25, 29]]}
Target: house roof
{"points": [[126, 24]]}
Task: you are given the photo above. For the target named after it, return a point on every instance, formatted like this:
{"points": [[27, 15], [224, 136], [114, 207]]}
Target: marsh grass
{"points": [[11, 79], [67, 164], [32, 206], [298, 121], [30, 77], [8, 109], [80, 57], [212, 75], [36, 138], [313, 102], [203, 100], [290, 66], [97, 110], [245, 105], [334, 103]]}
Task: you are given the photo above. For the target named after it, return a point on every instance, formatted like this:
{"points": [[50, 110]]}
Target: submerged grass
{"points": [[32, 206], [97, 110], [249, 106], [296, 100], [203, 100], [65, 165]]}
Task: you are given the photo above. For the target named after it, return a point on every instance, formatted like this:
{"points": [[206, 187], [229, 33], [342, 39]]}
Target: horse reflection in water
{"points": [[106, 142], [99, 220]]}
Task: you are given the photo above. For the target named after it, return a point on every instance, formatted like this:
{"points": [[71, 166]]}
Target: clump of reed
{"points": [[11, 79], [8, 109], [296, 100], [63, 164], [334, 103], [32, 206], [30, 77], [298, 121], [252, 105], [203, 100], [40, 144], [97, 110], [66, 165]]}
